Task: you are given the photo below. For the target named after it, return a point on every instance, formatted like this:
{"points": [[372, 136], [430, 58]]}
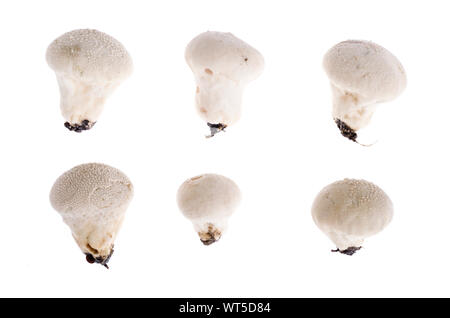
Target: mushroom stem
{"points": [[212, 235], [348, 251], [215, 128], [101, 260]]}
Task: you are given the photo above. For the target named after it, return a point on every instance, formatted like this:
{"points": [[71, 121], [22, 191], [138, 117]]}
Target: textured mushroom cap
{"points": [[90, 186], [351, 209], [89, 55], [224, 54], [92, 199], [208, 197], [366, 70]]}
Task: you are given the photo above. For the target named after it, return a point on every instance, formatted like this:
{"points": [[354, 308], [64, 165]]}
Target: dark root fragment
{"points": [[212, 236], [346, 131], [85, 125], [100, 260], [349, 251], [215, 128], [208, 241]]}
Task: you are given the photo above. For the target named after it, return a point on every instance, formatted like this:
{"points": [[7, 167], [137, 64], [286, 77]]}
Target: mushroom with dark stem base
{"points": [[89, 65], [92, 200], [208, 200], [349, 211], [362, 74], [222, 65]]}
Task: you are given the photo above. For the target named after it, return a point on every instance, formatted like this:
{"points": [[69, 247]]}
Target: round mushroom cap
{"points": [[366, 69], [224, 54], [91, 187], [350, 207], [89, 55], [208, 197]]}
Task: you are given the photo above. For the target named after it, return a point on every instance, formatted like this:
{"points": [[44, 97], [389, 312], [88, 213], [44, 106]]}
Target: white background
{"points": [[281, 153]]}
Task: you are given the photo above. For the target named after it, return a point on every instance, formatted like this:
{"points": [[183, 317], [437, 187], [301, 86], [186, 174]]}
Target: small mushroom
{"points": [[208, 200], [222, 65], [349, 211], [92, 199], [89, 65], [362, 74]]}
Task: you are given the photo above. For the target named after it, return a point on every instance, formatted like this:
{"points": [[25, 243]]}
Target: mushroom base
{"points": [[100, 260], [215, 128], [211, 236], [346, 130], [349, 251], [85, 125]]}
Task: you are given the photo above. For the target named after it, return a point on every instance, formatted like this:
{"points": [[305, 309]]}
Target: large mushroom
{"points": [[89, 65], [92, 199], [350, 210], [362, 74], [222, 65], [208, 200]]}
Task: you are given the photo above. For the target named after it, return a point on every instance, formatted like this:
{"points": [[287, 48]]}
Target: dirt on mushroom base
{"points": [[85, 125], [349, 132], [100, 260], [348, 251], [211, 236], [346, 130], [216, 128]]}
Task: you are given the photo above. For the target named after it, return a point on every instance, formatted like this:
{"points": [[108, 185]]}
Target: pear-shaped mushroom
{"points": [[89, 65], [362, 74], [208, 200], [222, 65], [92, 199], [349, 211]]}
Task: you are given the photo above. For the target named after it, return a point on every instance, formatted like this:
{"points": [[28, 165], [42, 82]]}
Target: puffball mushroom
{"points": [[362, 74], [222, 65], [92, 199], [208, 200], [351, 210], [89, 65]]}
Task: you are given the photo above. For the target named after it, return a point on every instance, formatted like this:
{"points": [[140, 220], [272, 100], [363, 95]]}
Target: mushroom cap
{"points": [[352, 208], [208, 197], [224, 54], [366, 70], [89, 55], [91, 189]]}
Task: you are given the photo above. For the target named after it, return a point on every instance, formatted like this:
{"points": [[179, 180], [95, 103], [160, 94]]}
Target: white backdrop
{"points": [[281, 153]]}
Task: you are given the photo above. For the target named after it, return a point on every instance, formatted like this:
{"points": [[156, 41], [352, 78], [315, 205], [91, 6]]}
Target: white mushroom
{"points": [[92, 199], [222, 65], [89, 65], [208, 201], [362, 74], [349, 211]]}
